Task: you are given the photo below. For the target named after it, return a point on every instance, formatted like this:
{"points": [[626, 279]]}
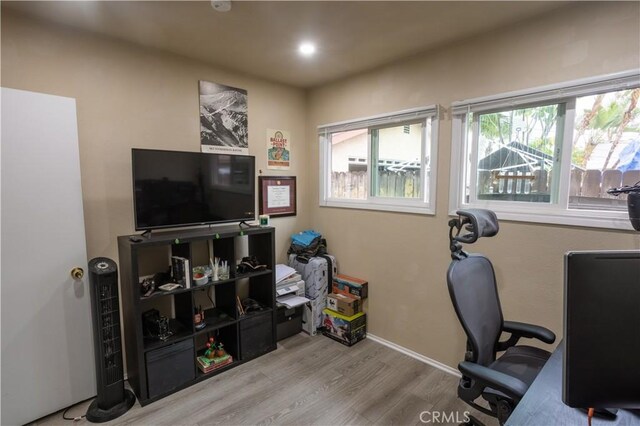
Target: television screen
{"points": [[173, 188]]}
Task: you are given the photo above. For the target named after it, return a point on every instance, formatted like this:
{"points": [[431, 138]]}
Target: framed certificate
{"points": [[277, 195]]}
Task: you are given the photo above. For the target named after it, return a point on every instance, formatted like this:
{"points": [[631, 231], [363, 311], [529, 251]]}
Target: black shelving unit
{"points": [[158, 368]]}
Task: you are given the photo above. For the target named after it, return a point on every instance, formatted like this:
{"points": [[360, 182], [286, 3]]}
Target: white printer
{"points": [[291, 305], [293, 285]]}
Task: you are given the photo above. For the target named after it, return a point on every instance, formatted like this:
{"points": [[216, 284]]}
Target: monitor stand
{"points": [[244, 222]]}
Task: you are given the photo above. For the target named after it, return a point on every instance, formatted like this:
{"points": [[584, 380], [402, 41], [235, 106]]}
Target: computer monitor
{"points": [[602, 329]]}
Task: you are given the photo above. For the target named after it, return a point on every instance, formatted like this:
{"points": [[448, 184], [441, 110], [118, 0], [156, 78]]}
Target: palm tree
{"points": [[493, 126], [607, 123], [589, 115]]}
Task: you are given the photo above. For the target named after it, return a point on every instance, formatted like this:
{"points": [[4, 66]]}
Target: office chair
{"points": [[501, 381]]}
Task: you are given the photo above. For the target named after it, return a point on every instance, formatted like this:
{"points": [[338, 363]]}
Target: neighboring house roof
{"points": [[343, 136], [513, 156]]}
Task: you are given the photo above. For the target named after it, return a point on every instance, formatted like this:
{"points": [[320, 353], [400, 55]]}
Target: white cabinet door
{"points": [[47, 337]]}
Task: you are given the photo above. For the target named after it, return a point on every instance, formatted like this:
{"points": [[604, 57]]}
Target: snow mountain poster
{"points": [[223, 119]]}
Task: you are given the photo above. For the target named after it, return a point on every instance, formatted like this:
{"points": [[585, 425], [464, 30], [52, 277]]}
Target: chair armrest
{"points": [[510, 386], [530, 331]]}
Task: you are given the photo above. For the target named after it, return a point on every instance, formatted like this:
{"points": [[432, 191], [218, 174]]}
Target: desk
{"points": [[542, 404]]}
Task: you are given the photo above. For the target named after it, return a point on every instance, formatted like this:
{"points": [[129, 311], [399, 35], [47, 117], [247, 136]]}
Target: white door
{"points": [[47, 337]]}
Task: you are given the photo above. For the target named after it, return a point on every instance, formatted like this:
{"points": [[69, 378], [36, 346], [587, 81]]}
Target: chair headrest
{"points": [[478, 223]]}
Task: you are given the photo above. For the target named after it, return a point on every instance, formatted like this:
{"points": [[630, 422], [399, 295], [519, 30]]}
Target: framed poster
{"points": [[278, 149], [223, 119], [277, 195]]}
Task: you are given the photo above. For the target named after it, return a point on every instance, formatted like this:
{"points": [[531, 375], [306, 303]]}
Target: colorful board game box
{"points": [[346, 330]]}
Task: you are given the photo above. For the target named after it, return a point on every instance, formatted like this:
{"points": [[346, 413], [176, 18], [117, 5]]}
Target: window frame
{"points": [[464, 159], [423, 205]]}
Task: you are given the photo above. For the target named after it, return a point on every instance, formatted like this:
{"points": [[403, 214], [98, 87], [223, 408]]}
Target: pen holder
{"points": [[223, 272]]}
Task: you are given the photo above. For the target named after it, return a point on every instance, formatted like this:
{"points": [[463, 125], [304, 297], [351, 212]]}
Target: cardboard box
{"points": [[347, 305], [344, 284], [346, 330]]}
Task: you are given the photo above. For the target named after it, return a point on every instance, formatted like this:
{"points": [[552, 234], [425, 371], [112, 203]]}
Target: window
{"points": [[380, 163], [515, 154], [550, 154]]}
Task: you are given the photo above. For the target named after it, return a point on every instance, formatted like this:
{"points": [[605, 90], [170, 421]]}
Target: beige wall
{"points": [[405, 256], [128, 97]]}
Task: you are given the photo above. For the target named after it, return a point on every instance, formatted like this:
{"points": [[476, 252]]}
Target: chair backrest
{"points": [[472, 287]]}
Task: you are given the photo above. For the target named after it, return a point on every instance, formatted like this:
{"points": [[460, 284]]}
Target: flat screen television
{"points": [[176, 189], [602, 329]]}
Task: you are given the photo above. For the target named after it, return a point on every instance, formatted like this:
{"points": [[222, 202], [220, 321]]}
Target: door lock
{"points": [[77, 273]]}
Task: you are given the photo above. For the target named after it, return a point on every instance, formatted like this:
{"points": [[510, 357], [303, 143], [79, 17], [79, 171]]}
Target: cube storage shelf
{"points": [[158, 368]]}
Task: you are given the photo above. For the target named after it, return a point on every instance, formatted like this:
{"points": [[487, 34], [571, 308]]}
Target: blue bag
{"points": [[305, 238]]}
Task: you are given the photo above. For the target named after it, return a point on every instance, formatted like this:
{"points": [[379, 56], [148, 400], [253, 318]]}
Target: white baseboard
{"points": [[415, 355]]}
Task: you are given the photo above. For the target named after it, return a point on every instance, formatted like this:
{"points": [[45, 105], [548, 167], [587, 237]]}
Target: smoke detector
{"points": [[221, 5]]}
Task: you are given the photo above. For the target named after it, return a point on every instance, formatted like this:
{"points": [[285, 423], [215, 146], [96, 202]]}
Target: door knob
{"points": [[77, 273]]}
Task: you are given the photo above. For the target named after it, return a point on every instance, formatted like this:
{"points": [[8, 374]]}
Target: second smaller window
{"points": [[381, 163]]}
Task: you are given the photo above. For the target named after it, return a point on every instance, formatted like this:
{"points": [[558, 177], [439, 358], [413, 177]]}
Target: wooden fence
{"points": [[583, 183], [390, 184], [594, 183], [586, 184]]}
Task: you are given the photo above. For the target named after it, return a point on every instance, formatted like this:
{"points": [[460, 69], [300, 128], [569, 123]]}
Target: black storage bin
{"points": [[289, 321], [170, 367], [256, 335]]}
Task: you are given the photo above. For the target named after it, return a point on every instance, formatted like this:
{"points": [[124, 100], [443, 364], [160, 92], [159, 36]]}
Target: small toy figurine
{"points": [[211, 349], [219, 350], [214, 349], [198, 318]]}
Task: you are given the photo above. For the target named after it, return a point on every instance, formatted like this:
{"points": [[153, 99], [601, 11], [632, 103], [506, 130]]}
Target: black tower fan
{"points": [[113, 399]]}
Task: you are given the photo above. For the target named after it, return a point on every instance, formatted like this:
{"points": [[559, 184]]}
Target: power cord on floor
{"points": [[77, 418]]}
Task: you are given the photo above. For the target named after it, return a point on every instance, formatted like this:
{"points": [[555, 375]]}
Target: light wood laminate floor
{"points": [[307, 381]]}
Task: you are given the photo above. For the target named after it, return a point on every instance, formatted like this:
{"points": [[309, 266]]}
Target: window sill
{"points": [[368, 205], [582, 218]]}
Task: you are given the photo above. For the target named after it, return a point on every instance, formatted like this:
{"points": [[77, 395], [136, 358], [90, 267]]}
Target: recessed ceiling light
{"points": [[221, 5], [307, 49]]}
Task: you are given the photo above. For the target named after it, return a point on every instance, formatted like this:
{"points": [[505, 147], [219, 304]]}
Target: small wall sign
{"points": [[278, 149]]}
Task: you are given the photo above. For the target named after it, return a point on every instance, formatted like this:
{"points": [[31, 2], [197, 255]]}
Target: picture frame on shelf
{"points": [[277, 196]]}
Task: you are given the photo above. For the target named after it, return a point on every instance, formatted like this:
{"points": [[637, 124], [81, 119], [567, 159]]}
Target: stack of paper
{"points": [[291, 300], [283, 272]]}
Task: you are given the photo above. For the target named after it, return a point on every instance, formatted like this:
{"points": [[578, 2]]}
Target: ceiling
{"points": [[260, 38]]}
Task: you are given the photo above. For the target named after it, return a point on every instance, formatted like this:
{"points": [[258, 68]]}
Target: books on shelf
{"points": [[239, 306], [207, 365], [181, 271]]}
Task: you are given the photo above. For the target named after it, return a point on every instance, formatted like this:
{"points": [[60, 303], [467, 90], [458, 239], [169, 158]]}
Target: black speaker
{"points": [[113, 399], [633, 202]]}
